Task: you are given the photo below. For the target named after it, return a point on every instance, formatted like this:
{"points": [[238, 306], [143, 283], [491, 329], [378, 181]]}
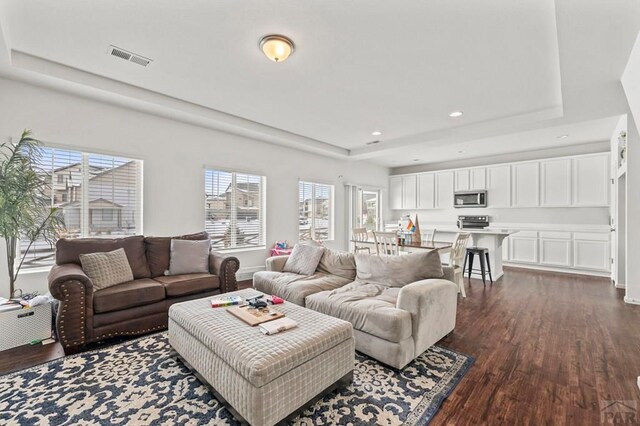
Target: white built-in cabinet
{"points": [[444, 190], [499, 186], [580, 251], [525, 184], [578, 181], [426, 191]]}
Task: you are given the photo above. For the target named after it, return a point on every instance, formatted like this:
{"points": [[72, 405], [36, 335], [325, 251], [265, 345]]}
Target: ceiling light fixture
{"points": [[276, 47], [562, 136], [456, 114], [376, 133]]}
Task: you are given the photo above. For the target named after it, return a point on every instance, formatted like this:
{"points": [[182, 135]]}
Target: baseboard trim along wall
{"points": [[621, 285], [557, 269], [631, 300]]}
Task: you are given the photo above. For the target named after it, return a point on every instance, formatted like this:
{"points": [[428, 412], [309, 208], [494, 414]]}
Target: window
{"points": [[234, 209], [315, 211], [98, 195]]}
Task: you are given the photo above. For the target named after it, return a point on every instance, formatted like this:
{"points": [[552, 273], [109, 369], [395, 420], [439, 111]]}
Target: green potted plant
{"points": [[25, 206]]}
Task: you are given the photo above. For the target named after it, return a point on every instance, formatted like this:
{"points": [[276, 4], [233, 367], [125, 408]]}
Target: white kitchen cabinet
{"points": [[591, 251], [444, 190], [478, 178], [555, 248], [409, 191], [426, 191], [395, 192], [462, 180], [525, 184], [555, 183], [591, 180], [523, 247], [499, 186]]}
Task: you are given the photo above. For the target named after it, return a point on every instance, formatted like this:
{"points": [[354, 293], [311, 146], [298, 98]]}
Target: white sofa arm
{"points": [[432, 304], [276, 263]]}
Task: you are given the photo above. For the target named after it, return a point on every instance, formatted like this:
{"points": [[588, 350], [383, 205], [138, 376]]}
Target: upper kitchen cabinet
{"points": [[403, 192], [461, 178], [555, 183], [470, 179], [499, 186], [426, 191], [525, 184], [591, 180], [444, 190]]}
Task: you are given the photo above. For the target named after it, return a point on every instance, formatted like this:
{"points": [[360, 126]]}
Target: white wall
{"points": [[631, 85], [174, 154]]}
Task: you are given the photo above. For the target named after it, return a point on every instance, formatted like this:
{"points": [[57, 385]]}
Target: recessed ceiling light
{"points": [[456, 114], [562, 136], [416, 159], [462, 151], [376, 133], [276, 47]]}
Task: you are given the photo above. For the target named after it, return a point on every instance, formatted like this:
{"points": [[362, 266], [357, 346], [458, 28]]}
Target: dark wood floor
{"points": [[548, 347]]}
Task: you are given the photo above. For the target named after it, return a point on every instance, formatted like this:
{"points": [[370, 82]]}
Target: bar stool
{"points": [[483, 254]]}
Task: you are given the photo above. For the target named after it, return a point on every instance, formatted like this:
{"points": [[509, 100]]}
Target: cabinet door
{"points": [[591, 180], [426, 191], [555, 248], [444, 190], [409, 191], [477, 178], [523, 247], [462, 180], [395, 192], [555, 182], [525, 184], [499, 186], [591, 251]]}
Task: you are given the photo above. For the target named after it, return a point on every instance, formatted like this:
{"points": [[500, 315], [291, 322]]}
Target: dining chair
{"points": [[360, 235], [428, 235], [456, 259], [386, 243]]}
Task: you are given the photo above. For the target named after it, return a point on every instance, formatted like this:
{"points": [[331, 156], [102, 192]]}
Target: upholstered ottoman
{"points": [[264, 379]]}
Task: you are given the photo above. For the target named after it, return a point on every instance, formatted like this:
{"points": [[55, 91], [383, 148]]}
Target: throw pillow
{"points": [[189, 257], [398, 271], [340, 263], [107, 269], [304, 259]]}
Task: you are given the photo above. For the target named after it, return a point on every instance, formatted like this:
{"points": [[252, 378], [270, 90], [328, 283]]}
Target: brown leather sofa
{"points": [[136, 307]]}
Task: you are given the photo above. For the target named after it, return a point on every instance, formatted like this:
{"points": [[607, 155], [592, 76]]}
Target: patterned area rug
{"points": [[137, 382]]}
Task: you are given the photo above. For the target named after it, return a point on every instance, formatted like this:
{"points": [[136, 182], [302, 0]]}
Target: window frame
{"points": [[331, 226], [262, 207], [84, 154]]}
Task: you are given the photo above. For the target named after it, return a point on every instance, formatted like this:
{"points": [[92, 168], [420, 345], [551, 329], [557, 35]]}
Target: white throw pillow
{"points": [[189, 257], [398, 271], [304, 259]]}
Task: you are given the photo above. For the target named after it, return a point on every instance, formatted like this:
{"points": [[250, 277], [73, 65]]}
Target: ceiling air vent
{"points": [[373, 142], [129, 56]]}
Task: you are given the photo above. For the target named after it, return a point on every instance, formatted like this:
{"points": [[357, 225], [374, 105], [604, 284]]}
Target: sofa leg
{"points": [[72, 350]]}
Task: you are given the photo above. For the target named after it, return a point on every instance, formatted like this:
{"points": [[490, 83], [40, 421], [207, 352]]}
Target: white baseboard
{"points": [[557, 269], [631, 300], [247, 273], [621, 285]]}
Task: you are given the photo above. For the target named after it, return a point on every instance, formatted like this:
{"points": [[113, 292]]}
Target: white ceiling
{"points": [[401, 68]]}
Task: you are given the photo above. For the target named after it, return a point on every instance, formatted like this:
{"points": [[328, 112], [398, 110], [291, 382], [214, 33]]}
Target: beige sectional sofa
{"points": [[398, 305]]}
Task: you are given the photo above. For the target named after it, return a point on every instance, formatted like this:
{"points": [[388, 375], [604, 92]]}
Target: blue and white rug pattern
{"points": [[138, 382]]}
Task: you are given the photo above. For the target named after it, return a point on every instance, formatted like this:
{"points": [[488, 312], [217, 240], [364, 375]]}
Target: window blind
{"points": [[234, 209], [315, 211], [98, 195]]}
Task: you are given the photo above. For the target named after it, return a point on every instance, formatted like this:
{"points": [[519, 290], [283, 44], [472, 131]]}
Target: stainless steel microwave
{"points": [[463, 199]]}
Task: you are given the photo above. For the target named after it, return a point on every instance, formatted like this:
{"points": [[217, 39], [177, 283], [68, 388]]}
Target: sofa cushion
{"points": [[293, 287], [189, 257], [340, 263], [128, 295], [398, 271], [69, 251], [370, 308], [158, 251], [181, 285], [304, 259], [106, 269]]}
